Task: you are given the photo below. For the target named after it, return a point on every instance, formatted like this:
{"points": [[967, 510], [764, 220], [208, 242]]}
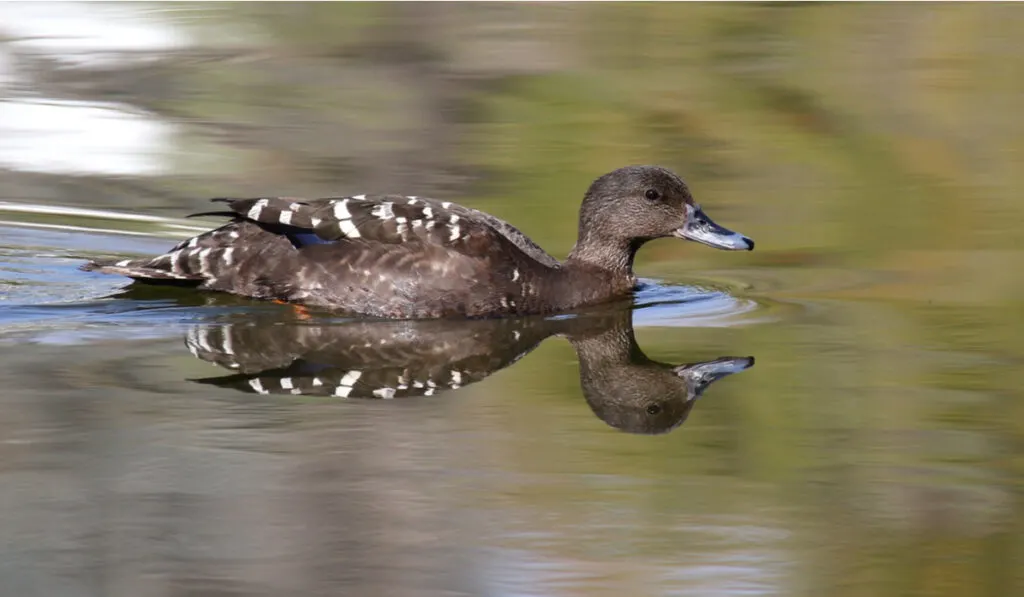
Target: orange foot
{"points": [[300, 311]]}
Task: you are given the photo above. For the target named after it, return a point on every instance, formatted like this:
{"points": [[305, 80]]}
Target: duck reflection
{"points": [[631, 392], [398, 359]]}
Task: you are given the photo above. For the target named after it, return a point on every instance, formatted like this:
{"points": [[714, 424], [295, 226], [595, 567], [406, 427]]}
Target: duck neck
{"points": [[612, 256], [596, 271], [606, 342]]}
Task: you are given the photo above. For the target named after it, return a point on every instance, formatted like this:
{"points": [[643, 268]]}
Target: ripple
{"points": [[52, 221], [45, 296], [669, 305]]}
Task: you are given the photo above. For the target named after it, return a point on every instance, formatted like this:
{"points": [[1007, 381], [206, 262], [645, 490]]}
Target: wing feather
{"points": [[387, 219]]}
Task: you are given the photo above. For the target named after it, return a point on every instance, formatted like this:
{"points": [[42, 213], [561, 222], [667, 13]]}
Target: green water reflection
{"points": [[872, 150]]}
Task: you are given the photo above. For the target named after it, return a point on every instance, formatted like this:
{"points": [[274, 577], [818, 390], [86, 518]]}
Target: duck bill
{"points": [[702, 229], [710, 371]]}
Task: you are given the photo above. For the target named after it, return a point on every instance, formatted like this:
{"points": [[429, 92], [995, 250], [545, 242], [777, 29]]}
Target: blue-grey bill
{"points": [[702, 229], [702, 374]]}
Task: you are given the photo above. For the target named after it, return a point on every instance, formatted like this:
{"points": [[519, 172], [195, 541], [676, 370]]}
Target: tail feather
{"points": [[139, 269], [210, 256]]}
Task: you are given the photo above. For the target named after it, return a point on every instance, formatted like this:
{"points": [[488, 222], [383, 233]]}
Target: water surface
{"points": [[153, 441]]}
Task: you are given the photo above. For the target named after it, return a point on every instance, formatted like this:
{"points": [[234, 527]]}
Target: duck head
{"points": [[632, 205]]}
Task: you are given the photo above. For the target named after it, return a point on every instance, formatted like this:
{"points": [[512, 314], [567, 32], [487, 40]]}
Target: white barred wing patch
{"points": [[383, 218]]}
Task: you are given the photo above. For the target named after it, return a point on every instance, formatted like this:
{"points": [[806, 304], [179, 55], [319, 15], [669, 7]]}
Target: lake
{"points": [[838, 412]]}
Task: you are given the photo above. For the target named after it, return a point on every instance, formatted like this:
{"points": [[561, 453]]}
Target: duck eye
{"points": [[654, 408], [652, 194]]}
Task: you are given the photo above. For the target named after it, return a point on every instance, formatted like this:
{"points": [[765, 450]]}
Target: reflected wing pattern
{"points": [[399, 359]]}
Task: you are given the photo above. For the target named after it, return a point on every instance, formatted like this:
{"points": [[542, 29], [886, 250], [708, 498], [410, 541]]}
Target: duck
{"points": [[412, 257]]}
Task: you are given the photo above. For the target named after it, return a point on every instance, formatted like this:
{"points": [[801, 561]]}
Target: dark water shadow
{"points": [[408, 359]]}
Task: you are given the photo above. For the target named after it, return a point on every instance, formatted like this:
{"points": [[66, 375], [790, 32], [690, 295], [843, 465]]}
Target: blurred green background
{"points": [[873, 151]]}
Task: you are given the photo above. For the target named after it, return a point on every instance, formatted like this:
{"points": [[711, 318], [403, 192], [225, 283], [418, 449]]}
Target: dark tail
{"points": [[142, 270]]}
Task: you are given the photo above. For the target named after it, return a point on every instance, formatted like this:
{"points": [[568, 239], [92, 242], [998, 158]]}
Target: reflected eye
{"points": [[652, 194], [654, 408]]}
